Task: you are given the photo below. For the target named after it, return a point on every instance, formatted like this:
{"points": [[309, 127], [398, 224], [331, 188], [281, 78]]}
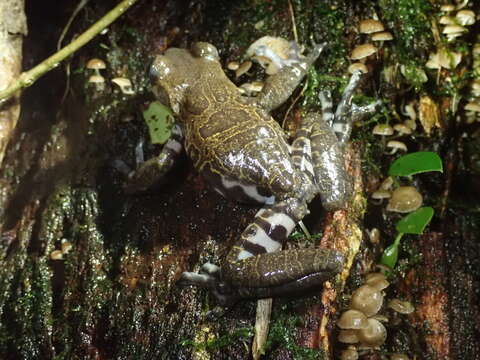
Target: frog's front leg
{"points": [[278, 88], [149, 172]]}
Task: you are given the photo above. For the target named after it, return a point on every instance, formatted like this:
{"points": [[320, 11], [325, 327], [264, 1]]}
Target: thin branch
{"points": [[28, 78]]}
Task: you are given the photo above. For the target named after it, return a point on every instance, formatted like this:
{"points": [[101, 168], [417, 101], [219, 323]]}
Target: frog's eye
{"points": [[205, 50], [160, 68]]}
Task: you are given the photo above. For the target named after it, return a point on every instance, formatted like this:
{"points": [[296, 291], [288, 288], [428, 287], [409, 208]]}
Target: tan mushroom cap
{"points": [[402, 129], [96, 79], [56, 255], [352, 319], [405, 199], [233, 65], [124, 84], [381, 194], [367, 299], [374, 334], [465, 17], [243, 68], [473, 106], [377, 281], [370, 26], [363, 51], [349, 354], [446, 20], [357, 66], [402, 307], [447, 7], [278, 45], [348, 336], [382, 36], [453, 29], [396, 145], [96, 64], [382, 129]]}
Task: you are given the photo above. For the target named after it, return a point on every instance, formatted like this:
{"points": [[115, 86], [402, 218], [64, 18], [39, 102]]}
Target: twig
{"points": [[294, 26], [28, 78]]}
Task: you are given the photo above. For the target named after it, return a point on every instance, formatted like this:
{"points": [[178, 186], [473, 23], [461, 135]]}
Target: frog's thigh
{"points": [[149, 172]]}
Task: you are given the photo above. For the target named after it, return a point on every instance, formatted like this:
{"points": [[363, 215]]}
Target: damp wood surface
{"points": [[113, 294]]}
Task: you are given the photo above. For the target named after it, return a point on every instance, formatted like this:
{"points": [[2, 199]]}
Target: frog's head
{"points": [[174, 71]]}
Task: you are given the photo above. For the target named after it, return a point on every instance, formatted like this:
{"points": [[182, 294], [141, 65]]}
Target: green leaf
{"points": [[390, 256], [415, 222], [160, 120], [415, 163]]}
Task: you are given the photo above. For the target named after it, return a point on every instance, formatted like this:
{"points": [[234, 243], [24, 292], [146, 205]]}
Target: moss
{"points": [[282, 333]]}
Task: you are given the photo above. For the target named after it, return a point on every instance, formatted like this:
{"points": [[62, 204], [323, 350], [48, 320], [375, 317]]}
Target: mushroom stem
{"points": [[28, 78]]}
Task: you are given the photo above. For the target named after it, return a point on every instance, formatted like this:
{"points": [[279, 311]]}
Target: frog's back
{"points": [[231, 138]]}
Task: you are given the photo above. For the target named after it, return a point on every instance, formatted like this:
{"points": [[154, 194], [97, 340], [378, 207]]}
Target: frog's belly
{"points": [[236, 190]]}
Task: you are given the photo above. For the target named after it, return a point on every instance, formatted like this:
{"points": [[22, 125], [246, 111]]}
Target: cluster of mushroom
{"points": [[66, 246], [376, 31], [454, 21], [98, 80], [361, 326], [472, 108], [403, 199]]}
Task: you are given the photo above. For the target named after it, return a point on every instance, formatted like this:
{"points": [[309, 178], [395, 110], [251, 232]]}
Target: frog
{"points": [[244, 154]]}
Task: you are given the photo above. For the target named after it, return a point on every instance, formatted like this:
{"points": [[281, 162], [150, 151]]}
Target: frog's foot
{"points": [[209, 277], [346, 113], [151, 171]]}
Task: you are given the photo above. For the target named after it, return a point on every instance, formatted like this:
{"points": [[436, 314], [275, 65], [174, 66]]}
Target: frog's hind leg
{"points": [[152, 170]]}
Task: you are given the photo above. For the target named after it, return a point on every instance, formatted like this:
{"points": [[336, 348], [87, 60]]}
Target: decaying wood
{"points": [[13, 27]]}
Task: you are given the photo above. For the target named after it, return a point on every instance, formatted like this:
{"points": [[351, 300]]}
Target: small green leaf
{"points": [[415, 163], [159, 119], [415, 222], [390, 256]]}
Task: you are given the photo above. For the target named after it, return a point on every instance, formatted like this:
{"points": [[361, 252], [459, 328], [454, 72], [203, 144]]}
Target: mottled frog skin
{"points": [[244, 154]]}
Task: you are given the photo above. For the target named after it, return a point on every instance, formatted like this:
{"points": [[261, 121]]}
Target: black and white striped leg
{"points": [[152, 170]]}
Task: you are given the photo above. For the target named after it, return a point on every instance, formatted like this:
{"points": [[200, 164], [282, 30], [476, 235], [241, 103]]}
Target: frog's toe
{"points": [[197, 279], [210, 269]]}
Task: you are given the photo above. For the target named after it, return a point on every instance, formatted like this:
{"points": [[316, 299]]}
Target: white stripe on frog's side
{"points": [[244, 254], [250, 191], [257, 236], [278, 219]]}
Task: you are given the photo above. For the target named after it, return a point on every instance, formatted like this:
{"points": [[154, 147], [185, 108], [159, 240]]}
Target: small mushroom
{"points": [[96, 64], [124, 84], [56, 255], [348, 336], [410, 123], [377, 281], [447, 20], [66, 246], [381, 318], [381, 194], [370, 26], [243, 68], [252, 88], [396, 145], [447, 8], [357, 66], [367, 299], [382, 36], [374, 236], [386, 184], [383, 130], [98, 81], [402, 307], [352, 319], [349, 354], [453, 31], [472, 106], [363, 51], [444, 58], [402, 129], [405, 199], [233, 65], [374, 334], [465, 17]]}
